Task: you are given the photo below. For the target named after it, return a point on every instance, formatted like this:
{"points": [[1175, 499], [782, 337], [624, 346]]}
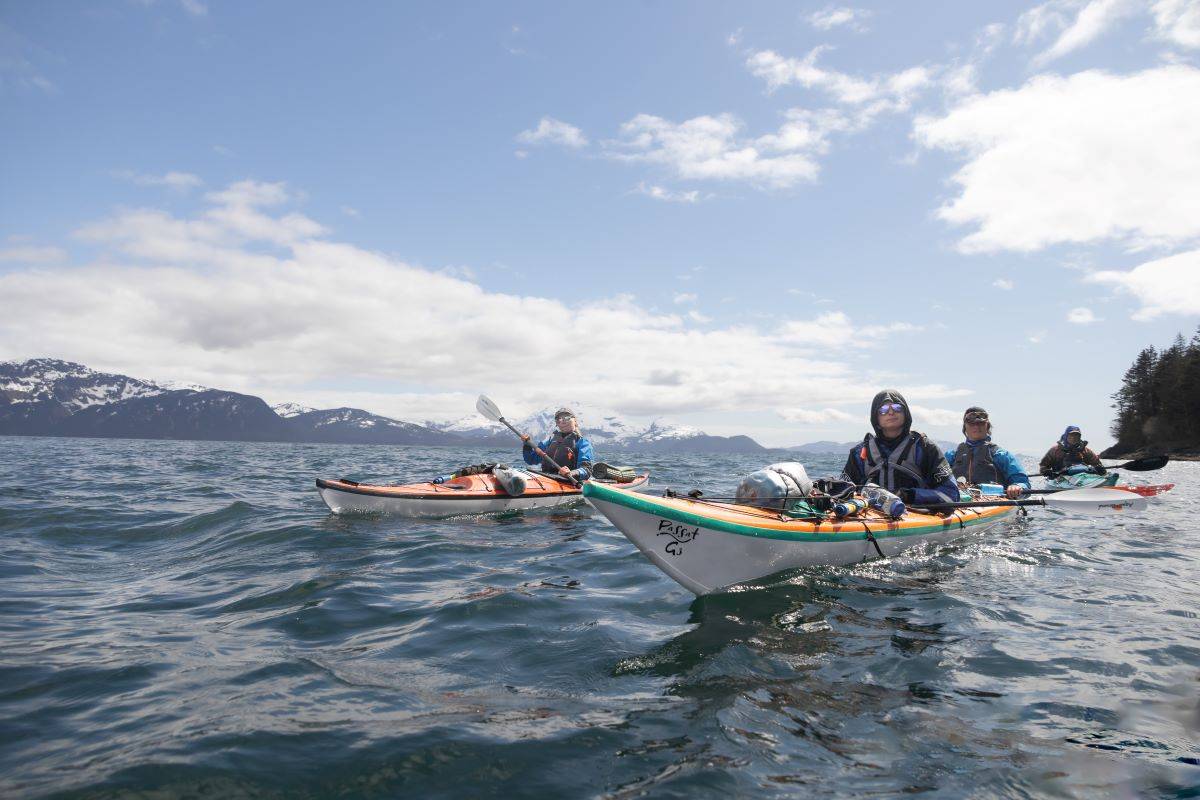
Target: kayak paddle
{"points": [[1137, 465], [1146, 490], [485, 406], [1096, 502]]}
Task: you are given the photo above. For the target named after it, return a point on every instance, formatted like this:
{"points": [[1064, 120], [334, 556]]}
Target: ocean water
{"points": [[186, 619]]}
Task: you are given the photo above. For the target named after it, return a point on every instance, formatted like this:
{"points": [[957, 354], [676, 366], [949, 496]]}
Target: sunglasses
{"points": [[561, 417], [886, 407], [977, 418]]}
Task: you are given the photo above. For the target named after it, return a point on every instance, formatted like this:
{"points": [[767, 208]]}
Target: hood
{"points": [[1062, 440], [891, 396]]}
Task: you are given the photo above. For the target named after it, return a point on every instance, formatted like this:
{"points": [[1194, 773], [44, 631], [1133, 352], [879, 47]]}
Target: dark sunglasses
{"points": [[977, 418], [561, 417], [886, 407]]}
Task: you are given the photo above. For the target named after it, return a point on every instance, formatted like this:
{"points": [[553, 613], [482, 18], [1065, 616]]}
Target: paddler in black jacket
{"points": [[567, 446], [1071, 450], [898, 458]]}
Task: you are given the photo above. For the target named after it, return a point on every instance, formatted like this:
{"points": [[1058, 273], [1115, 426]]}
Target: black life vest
{"points": [[977, 464], [900, 469], [564, 449]]}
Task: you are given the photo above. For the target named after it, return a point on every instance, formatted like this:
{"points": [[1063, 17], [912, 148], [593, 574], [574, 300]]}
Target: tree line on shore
{"points": [[1158, 403]]}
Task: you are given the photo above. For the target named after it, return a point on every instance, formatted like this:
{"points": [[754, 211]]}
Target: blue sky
{"points": [[746, 217]]}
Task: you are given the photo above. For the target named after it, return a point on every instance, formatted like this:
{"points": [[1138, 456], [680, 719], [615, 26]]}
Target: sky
{"points": [[744, 217]]}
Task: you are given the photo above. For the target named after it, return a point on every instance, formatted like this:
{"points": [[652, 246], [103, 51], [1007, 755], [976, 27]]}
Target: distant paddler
{"points": [[980, 460], [566, 447], [1071, 450]]}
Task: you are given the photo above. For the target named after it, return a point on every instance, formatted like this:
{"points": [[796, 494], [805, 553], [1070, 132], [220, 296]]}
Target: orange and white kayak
{"points": [[470, 494]]}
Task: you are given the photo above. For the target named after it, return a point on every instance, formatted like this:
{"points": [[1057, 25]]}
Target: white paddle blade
{"points": [[1098, 501], [489, 409]]}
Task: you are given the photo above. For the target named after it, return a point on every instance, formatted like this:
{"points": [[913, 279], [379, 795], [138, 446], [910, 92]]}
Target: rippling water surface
{"points": [[187, 619]]}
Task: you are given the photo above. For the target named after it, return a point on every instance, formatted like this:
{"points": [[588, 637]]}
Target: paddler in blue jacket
{"points": [[898, 458], [979, 460], [566, 446]]}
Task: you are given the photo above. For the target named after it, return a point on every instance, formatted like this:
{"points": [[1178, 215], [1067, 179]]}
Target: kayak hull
{"points": [[469, 495], [707, 547]]}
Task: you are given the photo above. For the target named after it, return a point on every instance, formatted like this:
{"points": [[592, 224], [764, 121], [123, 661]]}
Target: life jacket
{"points": [[977, 464], [900, 469], [1068, 456], [564, 449]]}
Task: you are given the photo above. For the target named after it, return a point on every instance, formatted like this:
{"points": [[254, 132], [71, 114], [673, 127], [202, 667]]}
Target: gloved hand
{"points": [[907, 495]]}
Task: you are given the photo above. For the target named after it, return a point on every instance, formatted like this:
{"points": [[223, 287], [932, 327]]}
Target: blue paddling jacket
{"points": [[568, 450]]}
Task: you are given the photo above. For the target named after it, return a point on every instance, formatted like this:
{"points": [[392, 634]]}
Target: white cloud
{"points": [[685, 297], [1084, 158], [1080, 23], [696, 316], [32, 254], [1003, 283], [1036, 337], [1168, 285], [835, 330], [176, 181], [815, 416], [666, 195], [1081, 316], [713, 147], [194, 7], [892, 92], [17, 70], [250, 297], [1178, 21], [938, 417], [350, 211], [554, 131], [832, 16]]}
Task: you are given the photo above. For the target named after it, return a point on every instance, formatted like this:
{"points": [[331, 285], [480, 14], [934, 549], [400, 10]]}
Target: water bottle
{"points": [[849, 507], [885, 501], [443, 478]]}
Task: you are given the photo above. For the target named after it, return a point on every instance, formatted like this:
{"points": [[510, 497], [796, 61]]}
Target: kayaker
{"points": [[980, 460], [1070, 451], [567, 446], [898, 458]]}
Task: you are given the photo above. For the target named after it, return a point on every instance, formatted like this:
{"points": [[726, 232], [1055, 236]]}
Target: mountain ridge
{"points": [[53, 397]]}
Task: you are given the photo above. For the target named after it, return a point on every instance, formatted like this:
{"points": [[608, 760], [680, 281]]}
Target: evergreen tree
{"points": [[1158, 404]]}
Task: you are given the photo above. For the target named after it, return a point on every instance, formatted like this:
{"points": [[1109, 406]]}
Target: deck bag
{"points": [[776, 486], [513, 481], [607, 472]]}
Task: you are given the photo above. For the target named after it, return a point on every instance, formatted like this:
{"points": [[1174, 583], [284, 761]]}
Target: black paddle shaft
{"points": [[538, 450]]}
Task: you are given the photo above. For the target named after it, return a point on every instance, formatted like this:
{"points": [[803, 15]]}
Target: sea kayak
{"points": [[470, 494], [708, 546]]}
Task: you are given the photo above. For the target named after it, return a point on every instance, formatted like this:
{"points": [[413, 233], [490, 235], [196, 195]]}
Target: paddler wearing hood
{"points": [[980, 460], [898, 458], [1071, 449]]}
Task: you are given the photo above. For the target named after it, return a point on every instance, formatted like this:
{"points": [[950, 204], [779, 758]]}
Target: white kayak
{"points": [[708, 546]]}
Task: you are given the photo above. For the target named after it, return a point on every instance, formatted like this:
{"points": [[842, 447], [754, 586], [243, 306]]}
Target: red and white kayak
{"points": [[470, 494]]}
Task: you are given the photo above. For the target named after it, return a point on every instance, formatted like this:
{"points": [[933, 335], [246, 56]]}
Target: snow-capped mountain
{"points": [[287, 410], [71, 385], [49, 397], [605, 428]]}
